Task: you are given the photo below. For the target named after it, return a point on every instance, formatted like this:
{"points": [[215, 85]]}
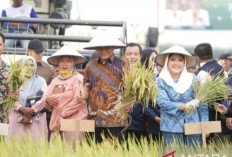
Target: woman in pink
{"points": [[28, 119], [63, 90]]}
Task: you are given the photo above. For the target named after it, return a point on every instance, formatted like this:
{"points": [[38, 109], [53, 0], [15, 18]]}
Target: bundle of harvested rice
{"points": [[211, 89], [18, 75], [138, 87]]}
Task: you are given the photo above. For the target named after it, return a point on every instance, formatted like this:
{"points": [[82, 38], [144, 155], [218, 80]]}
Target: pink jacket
{"points": [[67, 107]]}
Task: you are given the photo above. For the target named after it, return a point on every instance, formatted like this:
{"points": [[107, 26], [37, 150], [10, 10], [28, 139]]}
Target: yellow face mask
{"points": [[65, 73]]}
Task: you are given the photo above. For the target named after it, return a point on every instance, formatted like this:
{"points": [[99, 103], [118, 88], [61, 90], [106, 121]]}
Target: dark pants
{"points": [[138, 135], [48, 123], [108, 133]]}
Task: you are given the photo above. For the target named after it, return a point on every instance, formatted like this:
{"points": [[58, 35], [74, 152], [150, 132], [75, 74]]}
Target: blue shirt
{"points": [[172, 120], [23, 11]]}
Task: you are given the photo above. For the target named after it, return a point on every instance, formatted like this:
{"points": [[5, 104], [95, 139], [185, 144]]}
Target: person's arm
{"points": [[5, 24], [152, 112], [20, 108], [39, 105], [11, 24], [164, 101], [86, 84], [51, 100], [34, 15], [74, 106], [149, 112]]}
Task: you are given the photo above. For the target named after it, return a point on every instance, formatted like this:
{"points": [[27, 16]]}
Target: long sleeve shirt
{"points": [[172, 120], [67, 106]]}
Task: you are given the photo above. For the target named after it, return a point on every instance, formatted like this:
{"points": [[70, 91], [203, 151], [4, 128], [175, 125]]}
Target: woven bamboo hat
{"points": [[66, 51], [104, 41], [190, 60]]}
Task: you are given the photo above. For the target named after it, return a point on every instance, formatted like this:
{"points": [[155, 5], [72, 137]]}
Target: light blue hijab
{"points": [[32, 85]]}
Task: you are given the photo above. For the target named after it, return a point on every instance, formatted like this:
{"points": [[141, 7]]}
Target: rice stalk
{"points": [[18, 75], [138, 87], [108, 148], [212, 89]]}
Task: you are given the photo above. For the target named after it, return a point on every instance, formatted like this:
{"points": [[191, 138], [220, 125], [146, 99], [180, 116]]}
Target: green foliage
{"points": [[211, 89], [108, 148]]}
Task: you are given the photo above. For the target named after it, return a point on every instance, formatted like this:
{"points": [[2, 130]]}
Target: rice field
{"points": [[108, 148]]}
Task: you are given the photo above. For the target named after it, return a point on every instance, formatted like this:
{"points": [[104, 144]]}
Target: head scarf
{"points": [[32, 85], [146, 55], [184, 82]]}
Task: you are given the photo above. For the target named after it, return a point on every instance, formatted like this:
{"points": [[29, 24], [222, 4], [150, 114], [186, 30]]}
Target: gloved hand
{"points": [[192, 105]]}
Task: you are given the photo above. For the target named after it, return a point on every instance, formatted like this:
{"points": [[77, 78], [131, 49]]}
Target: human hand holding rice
{"points": [[192, 105]]}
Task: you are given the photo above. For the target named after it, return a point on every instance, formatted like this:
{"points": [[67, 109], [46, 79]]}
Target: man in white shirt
{"points": [[19, 10]]}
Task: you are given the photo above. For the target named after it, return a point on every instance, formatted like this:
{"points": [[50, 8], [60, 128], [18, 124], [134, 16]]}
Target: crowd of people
{"points": [[47, 97]]}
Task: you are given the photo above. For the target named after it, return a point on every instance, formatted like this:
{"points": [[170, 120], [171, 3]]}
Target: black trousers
{"points": [[138, 135], [108, 133]]}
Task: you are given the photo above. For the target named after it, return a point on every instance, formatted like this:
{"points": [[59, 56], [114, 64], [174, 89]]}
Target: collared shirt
{"points": [[104, 81], [46, 71], [4, 73], [110, 60]]}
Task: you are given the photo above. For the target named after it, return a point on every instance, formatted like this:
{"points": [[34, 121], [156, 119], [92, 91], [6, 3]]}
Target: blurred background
{"points": [[152, 23]]}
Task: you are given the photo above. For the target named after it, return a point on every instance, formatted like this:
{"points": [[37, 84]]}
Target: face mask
{"points": [[65, 73]]}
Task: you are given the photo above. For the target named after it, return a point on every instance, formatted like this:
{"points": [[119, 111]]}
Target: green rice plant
{"points": [[18, 75], [138, 87], [108, 148], [212, 89]]}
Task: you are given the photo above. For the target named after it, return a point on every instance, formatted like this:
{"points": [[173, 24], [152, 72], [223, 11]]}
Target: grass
{"points": [[108, 148]]}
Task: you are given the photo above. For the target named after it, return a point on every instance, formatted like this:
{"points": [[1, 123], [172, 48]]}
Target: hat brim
{"points": [[229, 57], [104, 40], [190, 60], [54, 60], [39, 50], [101, 46]]}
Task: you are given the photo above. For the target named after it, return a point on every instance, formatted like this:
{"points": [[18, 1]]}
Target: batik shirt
{"points": [[4, 72], [104, 81], [172, 120]]}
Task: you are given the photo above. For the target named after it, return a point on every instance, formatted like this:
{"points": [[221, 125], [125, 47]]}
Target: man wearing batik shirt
{"points": [[102, 78], [4, 72]]}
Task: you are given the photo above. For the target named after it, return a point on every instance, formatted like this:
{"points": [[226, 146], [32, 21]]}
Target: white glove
{"points": [[192, 105]]}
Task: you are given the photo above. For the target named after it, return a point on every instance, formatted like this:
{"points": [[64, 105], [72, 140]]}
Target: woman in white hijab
{"points": [[27, 119], [176, 95]]}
